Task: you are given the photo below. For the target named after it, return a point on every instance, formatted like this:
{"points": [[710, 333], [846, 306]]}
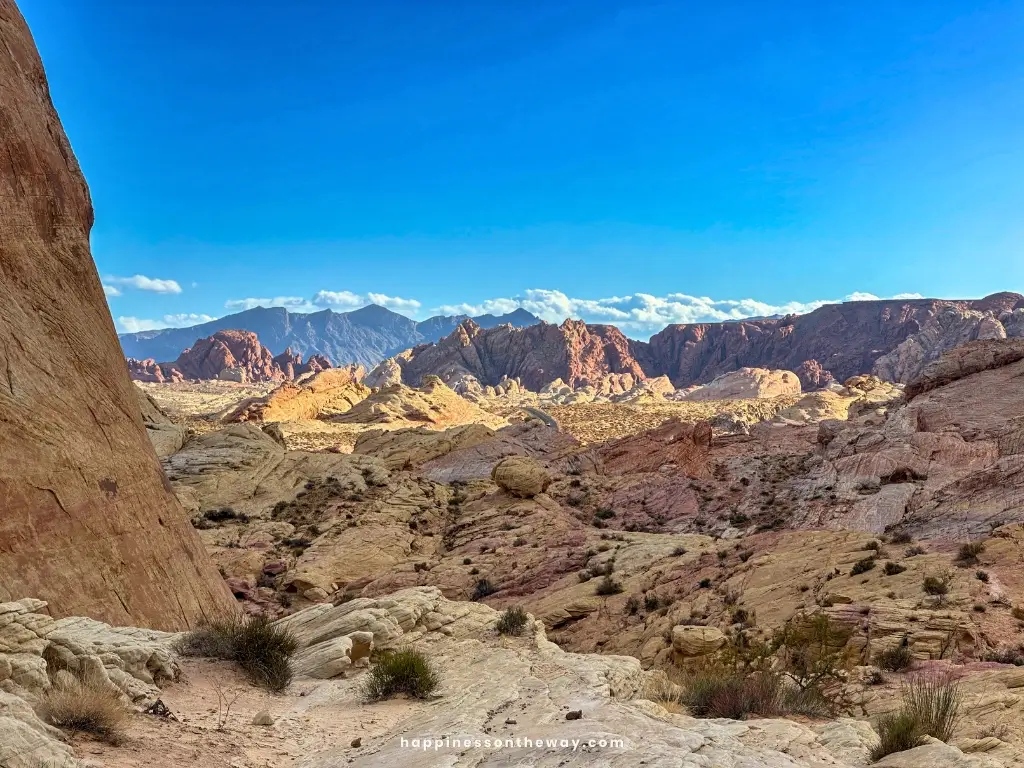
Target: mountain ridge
{"points": [[366, 335]]}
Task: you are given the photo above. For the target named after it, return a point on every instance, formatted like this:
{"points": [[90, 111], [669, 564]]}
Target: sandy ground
{"points": [[313, 716]]}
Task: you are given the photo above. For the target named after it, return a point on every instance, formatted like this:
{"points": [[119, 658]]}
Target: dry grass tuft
{"points": [[86, 708]]}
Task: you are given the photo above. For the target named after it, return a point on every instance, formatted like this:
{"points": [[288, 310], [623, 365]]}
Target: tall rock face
{"points": [[575, 352], [835, 341], [87, 520]]}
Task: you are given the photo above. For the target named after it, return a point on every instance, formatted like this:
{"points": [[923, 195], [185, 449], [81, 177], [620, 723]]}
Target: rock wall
{"points": [[88, 522]]}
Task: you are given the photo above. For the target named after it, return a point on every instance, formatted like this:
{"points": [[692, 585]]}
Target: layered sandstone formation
{"points": [[229, 355], [747, 383], [327, 393], [88, 522], [578, 353]]}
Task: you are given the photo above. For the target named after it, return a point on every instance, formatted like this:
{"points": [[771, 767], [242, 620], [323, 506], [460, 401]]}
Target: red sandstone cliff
{"points": [[88, 522]]}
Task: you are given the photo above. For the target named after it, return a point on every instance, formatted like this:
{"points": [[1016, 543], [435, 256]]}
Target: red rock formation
{"points": [[843, 340], [230, 354], [88, 522], [575, 352], [812, 375]]}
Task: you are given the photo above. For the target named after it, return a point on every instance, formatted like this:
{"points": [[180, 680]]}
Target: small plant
{"points": [[915, 551], [862, 566], [262, 649], [483, 589], [86, 708], [892, 569], [897, 658], [929, 708], [978, 608], [651, 601], [875, 546], [1013, 656], [604, 513], [981, 576], [512, 621], [608, 586], [937, 585], [901, 537], [704, 584], [467, 561], [968, 553], [679, 551], [404, 671], [633, 605]]}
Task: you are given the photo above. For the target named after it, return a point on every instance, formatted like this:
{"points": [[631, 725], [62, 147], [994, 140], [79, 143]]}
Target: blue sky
{"points": [[632, 162]]}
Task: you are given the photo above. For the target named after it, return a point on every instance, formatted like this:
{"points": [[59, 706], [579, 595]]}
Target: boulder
{"points": [[521, 476], [689, 641]]}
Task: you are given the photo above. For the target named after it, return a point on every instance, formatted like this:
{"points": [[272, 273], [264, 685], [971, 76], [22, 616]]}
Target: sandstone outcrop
{"points": [[747, 383], [574, 351], [324, 394], [88, 524], [433, 403], [228, 355], [166, 436]]}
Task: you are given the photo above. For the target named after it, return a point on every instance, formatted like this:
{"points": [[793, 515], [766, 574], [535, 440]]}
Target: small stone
{"points": [[358, 742], [576, 714], [263, 718]]}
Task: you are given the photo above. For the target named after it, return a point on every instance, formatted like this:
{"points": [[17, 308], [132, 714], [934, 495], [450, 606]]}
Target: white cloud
{"points": [[296, 303], [343, 300], [143, 283], [396, 303], [128, 324], [110, 290], [339, 299], [644, 312]]}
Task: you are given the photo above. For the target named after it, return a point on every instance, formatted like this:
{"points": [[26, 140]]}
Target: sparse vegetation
{"points": [[86, 708], [862, 566], [915, 551], [405, 671], [262, 649], [981, 576], [937, 585], [929, 708], [512, 621], [892, 569], [968, 553], [896, 659], [608, 586], [482, 589]]}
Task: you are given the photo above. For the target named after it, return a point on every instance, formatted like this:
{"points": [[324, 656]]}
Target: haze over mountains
{"points": [[366, 335]]}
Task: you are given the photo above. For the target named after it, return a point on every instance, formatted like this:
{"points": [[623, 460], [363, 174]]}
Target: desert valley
{"points": [[313, 540]]}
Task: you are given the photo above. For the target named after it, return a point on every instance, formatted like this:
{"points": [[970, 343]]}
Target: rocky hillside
{"points": [[895, 340], [365, 336], [88, 522], [229, 355], [575, 352]]}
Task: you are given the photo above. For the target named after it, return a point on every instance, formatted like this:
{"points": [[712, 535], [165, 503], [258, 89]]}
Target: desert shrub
{"points": [[874, 545], [862, 566], [1013, 656], [632, 605], [512, 621], [929, 708], [86, 708], [608, 586], [812, 653], [897, 658], [745, 555], [704, 584], [467, 561], [404, 671], [262, 649], [224, 514], [900, 537], [891, 568], [915, 551], [937, 585], [679, 551], [897, 732], [981, 576], [482, 589], [652, 602], [968, 553], [604, 513], [720, 691]]}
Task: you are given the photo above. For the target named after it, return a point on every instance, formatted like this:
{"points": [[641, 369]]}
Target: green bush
{"points": [[897, 732], [968, 553], [862, 566], [724, 692], [262, 649], [512, 621], [404, 671]]}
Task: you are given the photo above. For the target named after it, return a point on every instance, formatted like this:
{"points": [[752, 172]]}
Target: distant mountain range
{"points": [[367, 335]]}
